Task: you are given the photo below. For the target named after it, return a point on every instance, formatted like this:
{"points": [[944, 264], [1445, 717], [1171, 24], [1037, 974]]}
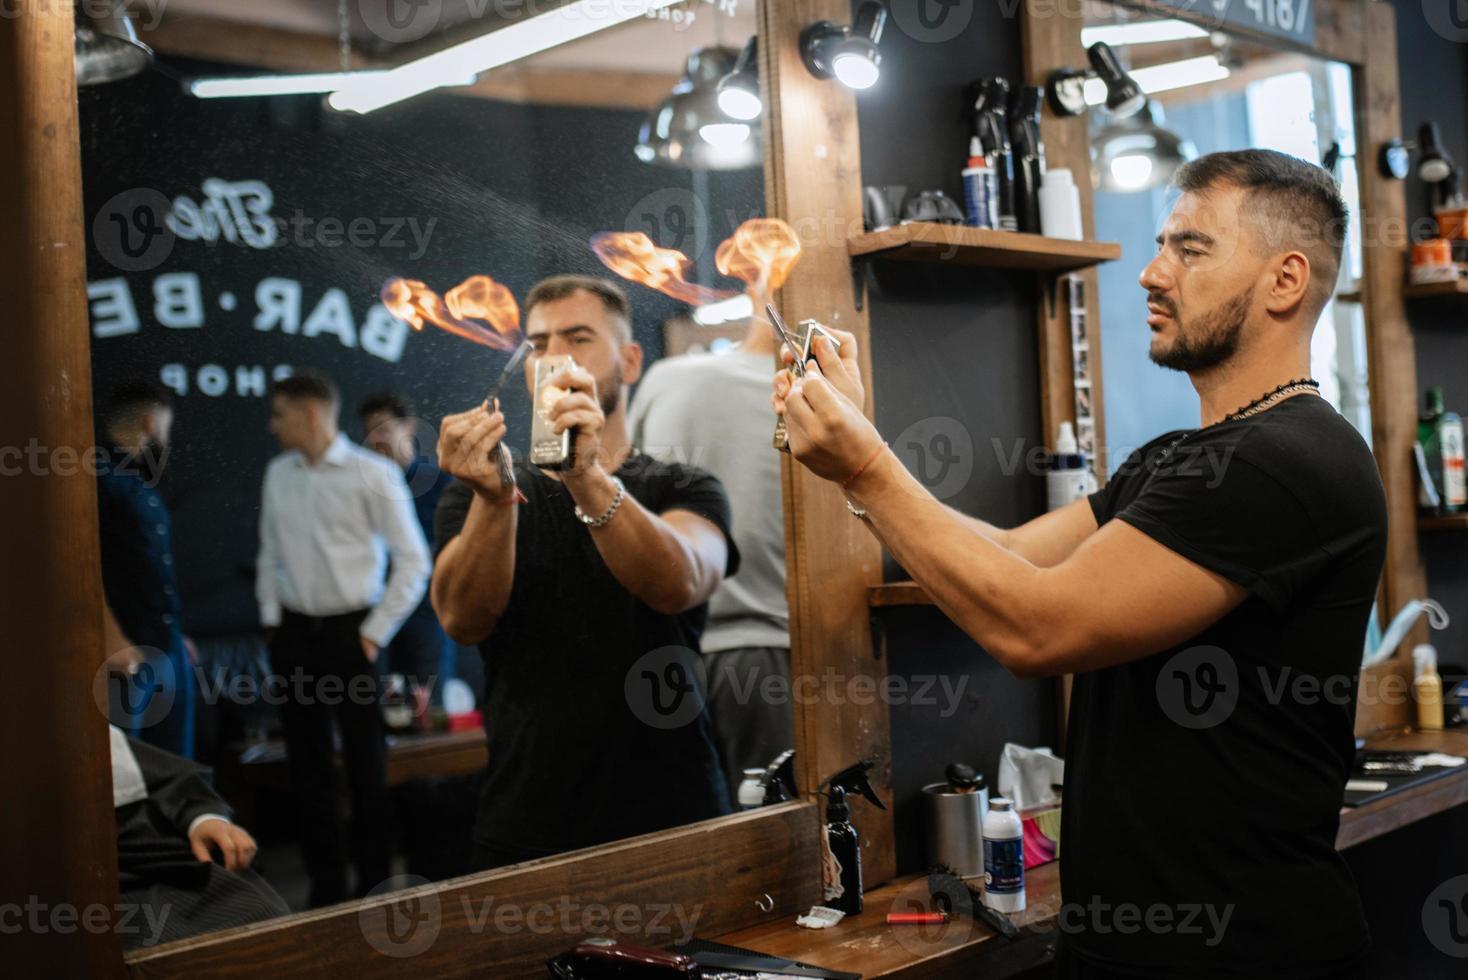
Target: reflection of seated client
{"points": [[170, 825], [587, 601], [714, 409]]}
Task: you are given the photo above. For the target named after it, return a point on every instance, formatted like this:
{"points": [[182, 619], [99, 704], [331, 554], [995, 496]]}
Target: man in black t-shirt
{"points": [[1211, 601], [587, 592]]}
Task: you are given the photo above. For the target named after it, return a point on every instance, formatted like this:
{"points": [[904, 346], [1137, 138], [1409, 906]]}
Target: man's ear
{"points": [[1290, 283], [632, 358]]}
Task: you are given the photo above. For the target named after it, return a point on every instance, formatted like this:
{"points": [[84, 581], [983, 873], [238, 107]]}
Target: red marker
{"points": [[915, 918]]}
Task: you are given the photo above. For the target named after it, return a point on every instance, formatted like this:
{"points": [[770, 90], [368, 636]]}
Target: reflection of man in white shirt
{"points": [[332, 516]]}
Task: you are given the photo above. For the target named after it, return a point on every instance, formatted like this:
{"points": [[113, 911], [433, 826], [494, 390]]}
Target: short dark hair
{"points": [[129, 399], [560, 287], [395, 405], [307, 385], [1296, 203]]}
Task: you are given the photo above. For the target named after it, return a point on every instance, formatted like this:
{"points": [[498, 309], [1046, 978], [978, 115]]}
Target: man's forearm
{"points": [[992, 594], [475, 572], [646, 555]]}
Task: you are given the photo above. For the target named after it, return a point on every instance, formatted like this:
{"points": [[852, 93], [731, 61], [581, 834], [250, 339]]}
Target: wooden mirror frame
{"points": [[731, 872]]}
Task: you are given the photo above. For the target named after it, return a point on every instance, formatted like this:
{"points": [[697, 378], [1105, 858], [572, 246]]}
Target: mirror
{"points": [[1221, 93], [256, 268]]}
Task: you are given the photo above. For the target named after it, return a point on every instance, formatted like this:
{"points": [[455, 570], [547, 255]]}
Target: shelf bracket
{"points": [[1050, 286], [859, 281]]}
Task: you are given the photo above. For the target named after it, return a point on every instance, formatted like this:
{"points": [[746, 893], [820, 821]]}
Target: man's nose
{"points": [[1154, 278]]}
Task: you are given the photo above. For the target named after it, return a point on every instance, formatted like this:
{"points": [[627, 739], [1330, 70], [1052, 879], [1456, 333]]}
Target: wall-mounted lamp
{"points": [[1434, 164], [107, 45], [1066, 87], [739, 90], [690, 129], [847, 54]]}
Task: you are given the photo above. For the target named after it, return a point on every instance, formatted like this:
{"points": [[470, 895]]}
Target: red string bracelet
{"points": [[517, 499], [862, 468]]}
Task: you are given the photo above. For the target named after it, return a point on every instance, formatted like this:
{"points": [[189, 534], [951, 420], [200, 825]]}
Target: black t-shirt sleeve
{"points": [[1239, 522], [701, 493], [1103, 501], [449, 516]]}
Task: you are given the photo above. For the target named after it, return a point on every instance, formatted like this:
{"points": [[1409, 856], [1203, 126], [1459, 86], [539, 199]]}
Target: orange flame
{"points": [[484, 299], [479, 297], [761, 253], [632, 255]]}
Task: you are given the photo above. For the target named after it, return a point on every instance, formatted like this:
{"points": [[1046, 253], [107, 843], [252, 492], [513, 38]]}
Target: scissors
{"points": [[502, 458]]}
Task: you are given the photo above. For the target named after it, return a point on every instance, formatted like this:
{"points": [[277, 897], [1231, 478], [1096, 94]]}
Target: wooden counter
{"points": [[867, 945]]}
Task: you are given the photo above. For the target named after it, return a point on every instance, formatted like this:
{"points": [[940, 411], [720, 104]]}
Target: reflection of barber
{"points": [[1209, 611], [713, 409], [583, 589], [145, 637], [171, 824]]}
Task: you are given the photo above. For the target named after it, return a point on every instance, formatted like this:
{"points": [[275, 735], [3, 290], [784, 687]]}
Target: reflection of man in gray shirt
{"points": [[713, 411]]}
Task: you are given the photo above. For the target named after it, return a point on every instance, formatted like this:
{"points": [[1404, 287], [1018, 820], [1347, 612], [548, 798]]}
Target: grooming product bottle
{"points": [[1004, 858], [979, 188], [1029, 155], [843, 852], [547, 449], [1060, 205], [1441, 435], [991, 120], [1427, 688], [841, 857], [752, 789], [955, 820], [1068, 478]]}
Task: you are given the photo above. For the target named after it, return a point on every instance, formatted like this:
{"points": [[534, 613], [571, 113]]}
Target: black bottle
{"points": [[1029, 156], [845, 846]]}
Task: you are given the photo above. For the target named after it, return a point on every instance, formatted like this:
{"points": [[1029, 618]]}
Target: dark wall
{"points": [[957, 394], [513, 191], [1434, 84]]}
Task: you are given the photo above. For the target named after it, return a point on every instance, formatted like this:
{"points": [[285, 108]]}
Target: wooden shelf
{"points": [[1436, 290], [921, 241], [897, 594], [1448, 522]]}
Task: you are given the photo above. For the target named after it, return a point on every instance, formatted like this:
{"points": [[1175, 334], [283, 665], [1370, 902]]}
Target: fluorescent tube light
{"points": [[1141, 32], [1163, 78], [521, 39]]}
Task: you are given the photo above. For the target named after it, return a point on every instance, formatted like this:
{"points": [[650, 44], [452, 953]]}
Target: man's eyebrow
{"points": [[563, 332], [1184, 237]]}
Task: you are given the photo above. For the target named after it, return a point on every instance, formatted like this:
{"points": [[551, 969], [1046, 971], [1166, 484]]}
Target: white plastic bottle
{"points": [[1060, 205], [751, 793], [1004, 858], [1068, 478]]}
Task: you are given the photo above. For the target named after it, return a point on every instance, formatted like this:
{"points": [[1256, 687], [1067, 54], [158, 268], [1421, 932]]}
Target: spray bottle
{"points": [[841, 857]]}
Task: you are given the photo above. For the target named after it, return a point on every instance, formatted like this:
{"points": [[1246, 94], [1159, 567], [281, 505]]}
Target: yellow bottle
{"points": [[1428, 688]]}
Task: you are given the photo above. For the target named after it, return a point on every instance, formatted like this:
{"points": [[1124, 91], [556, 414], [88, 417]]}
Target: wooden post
{"points": [[813, 180], [58, 844]]}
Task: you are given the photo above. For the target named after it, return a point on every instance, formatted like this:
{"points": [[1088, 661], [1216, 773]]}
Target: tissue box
{"points": [[1041, 834]]}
